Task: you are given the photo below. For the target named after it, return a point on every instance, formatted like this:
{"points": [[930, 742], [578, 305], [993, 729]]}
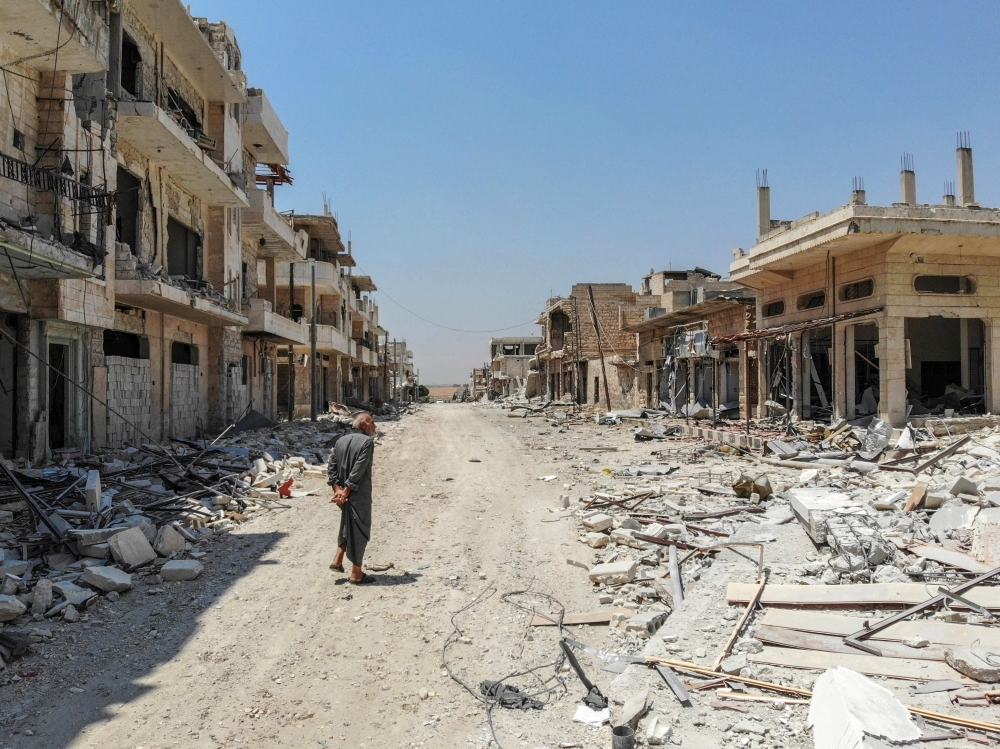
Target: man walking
{"points": [[350, 475]]}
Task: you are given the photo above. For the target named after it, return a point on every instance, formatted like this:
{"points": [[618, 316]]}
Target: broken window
{"points": [[131, 80], [183, 245], [128, 345], [183, 353], [944, 285], [127, 202], [857, 290], [773, 309], [812, 300]]}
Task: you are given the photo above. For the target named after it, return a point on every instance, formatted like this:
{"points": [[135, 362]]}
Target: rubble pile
{"points": [[88, 526], [847, 550]]}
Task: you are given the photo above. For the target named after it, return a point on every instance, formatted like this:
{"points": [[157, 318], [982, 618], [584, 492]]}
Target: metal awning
{"points": [[779, 330]]}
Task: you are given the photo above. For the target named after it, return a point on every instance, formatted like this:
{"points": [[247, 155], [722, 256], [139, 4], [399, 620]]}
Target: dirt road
{"points": [[271, 648]]}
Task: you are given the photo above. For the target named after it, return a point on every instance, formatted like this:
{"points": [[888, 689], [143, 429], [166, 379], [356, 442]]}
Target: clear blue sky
{"points": [[485, 154]]}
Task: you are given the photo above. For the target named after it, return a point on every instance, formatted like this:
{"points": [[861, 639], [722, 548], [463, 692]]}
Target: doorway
{"points": [[8, 387], [59, 372]]}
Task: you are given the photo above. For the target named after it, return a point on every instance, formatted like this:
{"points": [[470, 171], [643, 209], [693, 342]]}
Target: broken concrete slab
{"points": [[659, 731], [733, 664], [596, 540], [980, 664], [847, 707], [965, 486], [11, 608], [614, 572], [96, 551], [73, 593], [89, 537], [814, 505], [178, 570], [633, 709], [131, 549], [599, 522], [953, 516], [9, 585], [107, 579], [168, 541], [92, 491]]}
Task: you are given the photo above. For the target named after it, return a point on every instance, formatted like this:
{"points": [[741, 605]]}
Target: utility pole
{"points": [[312, 341], [600, 346], [291, 353]]}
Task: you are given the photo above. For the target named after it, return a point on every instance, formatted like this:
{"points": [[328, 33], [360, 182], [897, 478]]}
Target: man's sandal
{"points": [[366, 579], [336, 567]]}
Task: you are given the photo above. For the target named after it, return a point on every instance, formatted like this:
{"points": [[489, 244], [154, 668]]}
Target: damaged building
{"points": [[681, 371], [586, 353], [511, 372], [882, 310], [141, 275]]}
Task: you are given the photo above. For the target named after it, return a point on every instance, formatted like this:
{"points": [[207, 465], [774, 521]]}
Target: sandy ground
{"points": [[271, 648]]}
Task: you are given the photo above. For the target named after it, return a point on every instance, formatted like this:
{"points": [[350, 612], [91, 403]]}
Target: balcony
{"points": [[31, 28], [327, 278], [263, 323], [263, 134], [160, 296], [171, 24], [262, 221], [23, 255], [153, 133], [330, 339]]}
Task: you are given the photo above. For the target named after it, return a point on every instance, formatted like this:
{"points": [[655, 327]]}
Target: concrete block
{"points": [[131, 549], [813, 507], [614, 572], [599, 522], [168, 540], [107, 579], [42, 598], [91, 537], [95, 551], [596, 540], [965, 486], [10, 608], [952, 516], [646, 624], [181, 569]]}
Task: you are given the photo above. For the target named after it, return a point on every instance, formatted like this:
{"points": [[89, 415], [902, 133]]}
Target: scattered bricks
{"points": [[131, 549], [107, 579], [614, 572], [168, 540], [10, 608], [92, 491], [596, 540], [599, 522], [42, 599], [733, 664], [976, 663], [646, 624], [74, 594], [181, 569]]}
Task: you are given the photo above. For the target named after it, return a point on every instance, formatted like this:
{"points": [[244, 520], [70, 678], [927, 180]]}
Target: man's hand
{"points": [[338, 495]]}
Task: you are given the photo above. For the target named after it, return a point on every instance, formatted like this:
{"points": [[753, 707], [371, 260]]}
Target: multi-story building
{"points": [[886, 310], [510, 371], [400, 370], [142, 255]]}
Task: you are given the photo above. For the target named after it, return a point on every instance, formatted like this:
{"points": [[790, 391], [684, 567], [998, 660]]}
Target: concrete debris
{"points": [[181, 569], [846, 708], [107, 579], [659, 731], [614, 572], [981, 664], [633, 709], [11, 608], [131, 549], [168, 541]]}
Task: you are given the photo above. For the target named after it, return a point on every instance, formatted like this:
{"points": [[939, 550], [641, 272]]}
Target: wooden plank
{"points": [[916, 496], [740, 624], [899, 595], [790, 638], [870, 665], [594, 617], [950, 557], [939, 633]]}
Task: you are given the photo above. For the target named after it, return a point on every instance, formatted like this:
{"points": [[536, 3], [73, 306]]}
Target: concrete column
{"points": [[762, 378], [991, 341], [805, 375], [796, 375], [963, 344], [270, 279], [892, 365], [850, 373]]}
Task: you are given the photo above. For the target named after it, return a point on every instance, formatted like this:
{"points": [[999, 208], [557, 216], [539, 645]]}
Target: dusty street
{"points": [[271, 648]]}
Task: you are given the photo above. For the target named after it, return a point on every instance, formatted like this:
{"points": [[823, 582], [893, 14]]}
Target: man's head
{"points": [[365, 423]]}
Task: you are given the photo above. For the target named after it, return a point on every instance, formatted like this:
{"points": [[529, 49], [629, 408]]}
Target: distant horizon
{"points": [[485, 156]]}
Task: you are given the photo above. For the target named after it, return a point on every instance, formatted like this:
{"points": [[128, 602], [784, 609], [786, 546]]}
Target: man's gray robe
{"points": [[351, 466]]}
